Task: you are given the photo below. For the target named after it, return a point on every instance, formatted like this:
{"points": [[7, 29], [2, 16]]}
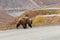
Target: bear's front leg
{"points": [[17, 25], [30, 25]]}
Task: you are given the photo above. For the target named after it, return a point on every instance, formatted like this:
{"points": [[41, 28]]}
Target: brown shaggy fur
{"points": [[24, 21]]}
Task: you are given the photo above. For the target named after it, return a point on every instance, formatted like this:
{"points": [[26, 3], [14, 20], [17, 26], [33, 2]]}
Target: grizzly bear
{"points": [[24, 21]]}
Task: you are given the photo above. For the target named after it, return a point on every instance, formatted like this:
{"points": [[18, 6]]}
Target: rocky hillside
{"points": [[47, 2], [4, 17], [22, 4], [28, 4]]}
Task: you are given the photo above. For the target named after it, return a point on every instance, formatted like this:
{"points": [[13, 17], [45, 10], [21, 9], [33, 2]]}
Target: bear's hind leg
{"points": [[24, 26], [30, 25]]}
